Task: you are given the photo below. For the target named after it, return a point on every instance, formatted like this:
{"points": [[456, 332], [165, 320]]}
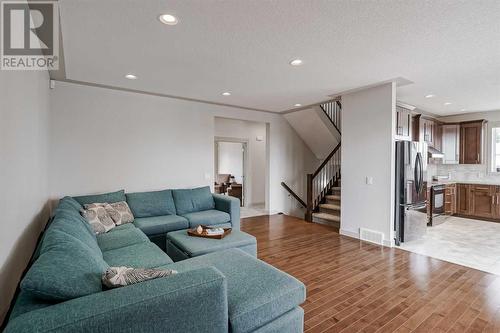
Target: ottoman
{"points": [[181, 246]]}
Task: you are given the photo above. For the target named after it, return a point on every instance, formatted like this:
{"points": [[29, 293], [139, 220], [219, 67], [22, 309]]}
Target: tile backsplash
{"points": [[465, 172]]}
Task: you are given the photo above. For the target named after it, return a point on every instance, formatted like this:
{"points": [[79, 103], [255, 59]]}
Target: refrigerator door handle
{"points": [[418, 173], [419, 205], [421, 181]]}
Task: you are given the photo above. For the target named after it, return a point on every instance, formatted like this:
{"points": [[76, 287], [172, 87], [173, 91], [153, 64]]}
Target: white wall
{"points": [[24, 107], [256, 165], [231, 160], [368, 151], [104, 139], [317, 131]]}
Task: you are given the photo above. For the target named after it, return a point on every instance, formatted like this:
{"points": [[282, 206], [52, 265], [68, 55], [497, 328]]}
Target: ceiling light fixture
{"points": [[463, 110], [296, 62], [168, 19], [227, 93], [429, 96], [297, 105], [131, 76], [447, 103]]}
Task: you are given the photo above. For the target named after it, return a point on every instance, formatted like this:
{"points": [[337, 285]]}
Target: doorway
{"points": [[230, 167], [241, 163]]}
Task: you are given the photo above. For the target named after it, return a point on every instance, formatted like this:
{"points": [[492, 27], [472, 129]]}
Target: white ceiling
{"points": [[449, 48]]}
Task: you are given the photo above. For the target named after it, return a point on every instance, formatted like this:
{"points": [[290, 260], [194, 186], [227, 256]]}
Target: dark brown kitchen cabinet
{"points": [[450, 199], [463, 199], [470, 142], [483, 201], [438, 136], [403, 123], [428, 131], [496, 211]]}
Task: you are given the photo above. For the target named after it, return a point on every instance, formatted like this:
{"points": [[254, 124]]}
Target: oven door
{"points": [[437, 205]]}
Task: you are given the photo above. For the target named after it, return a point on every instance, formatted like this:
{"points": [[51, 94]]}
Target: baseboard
{"points": [[349, 233]]}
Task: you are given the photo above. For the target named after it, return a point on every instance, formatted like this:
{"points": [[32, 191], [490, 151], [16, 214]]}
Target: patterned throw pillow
{"points": [[120, 212], [96, 215], [124, 276]]}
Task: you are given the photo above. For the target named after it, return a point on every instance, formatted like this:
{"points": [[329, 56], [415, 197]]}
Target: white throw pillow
{"points": [[120, 212], [97, 216], [124, 276]]}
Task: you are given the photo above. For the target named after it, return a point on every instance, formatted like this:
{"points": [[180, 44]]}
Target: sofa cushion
{"points": [[123, 227], [155, 203], [121, 238], [273, 292], [101, 198], [193, 200], [66, 269], [156, 225], [142, 255], [70, 203], [75, 227], [207, 217]]}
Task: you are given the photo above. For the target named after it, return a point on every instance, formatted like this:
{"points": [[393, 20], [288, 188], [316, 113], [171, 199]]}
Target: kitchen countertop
{"points": [[474, 182]]}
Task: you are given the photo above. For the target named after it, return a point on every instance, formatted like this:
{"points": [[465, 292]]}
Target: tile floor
{"points": [[467, 242], [257, 210]]}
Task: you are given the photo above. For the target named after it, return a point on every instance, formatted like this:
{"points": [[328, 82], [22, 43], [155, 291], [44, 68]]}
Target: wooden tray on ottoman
{"points": [[194, 233]]}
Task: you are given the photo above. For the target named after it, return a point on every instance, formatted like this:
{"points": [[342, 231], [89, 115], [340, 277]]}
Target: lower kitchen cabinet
{"points": [[450, 199], [463, 199], [481, 201]]}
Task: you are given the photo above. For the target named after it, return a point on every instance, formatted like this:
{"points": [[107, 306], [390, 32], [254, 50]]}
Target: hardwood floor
{"points": [[353, 286]]}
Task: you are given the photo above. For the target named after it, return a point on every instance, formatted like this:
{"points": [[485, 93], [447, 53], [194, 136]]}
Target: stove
{"points": [[436, 203]]}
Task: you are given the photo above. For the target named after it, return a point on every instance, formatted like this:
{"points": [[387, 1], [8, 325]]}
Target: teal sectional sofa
{"points": [[224, 291]]}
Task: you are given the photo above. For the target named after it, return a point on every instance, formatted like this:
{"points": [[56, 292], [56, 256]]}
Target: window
{"points": [[495, 149]]}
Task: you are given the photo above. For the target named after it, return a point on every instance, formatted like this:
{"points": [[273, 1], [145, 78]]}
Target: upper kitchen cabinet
{"points": [[403, 123], [471, 134], [451, 143], [427, 130]]}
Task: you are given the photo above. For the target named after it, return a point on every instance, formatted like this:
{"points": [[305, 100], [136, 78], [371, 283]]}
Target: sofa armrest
{"points": [[193, 301], [229, 205]]}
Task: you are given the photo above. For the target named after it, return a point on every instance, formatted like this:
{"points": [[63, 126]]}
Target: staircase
{"points": [[323, 186]]}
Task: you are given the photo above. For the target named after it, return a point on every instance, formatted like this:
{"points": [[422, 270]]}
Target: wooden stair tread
{"points": [[336, 188], [326, 216], [330, 206], [333, 197]]}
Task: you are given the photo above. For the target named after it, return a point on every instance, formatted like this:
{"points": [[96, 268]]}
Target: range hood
{"points": [[434, 153]]}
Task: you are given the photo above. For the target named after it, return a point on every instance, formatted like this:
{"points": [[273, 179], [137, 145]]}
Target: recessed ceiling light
{"points": [[168, 19], [447, 103], [131, 76], [463, 110], [296, 62], [429, 96], [297, 105], [227, 93]]}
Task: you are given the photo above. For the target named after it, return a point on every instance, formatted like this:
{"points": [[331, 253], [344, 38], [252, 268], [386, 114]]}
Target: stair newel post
{"points": [[309, 197]]}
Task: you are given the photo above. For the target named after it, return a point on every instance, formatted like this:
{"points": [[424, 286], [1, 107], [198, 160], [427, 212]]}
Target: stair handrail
{"points": [[293, 194], [333, 109], [322, 180], [328, 158]]}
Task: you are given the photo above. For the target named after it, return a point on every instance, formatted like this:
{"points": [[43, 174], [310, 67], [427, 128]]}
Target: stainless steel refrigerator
{"points": [[411, 187]]}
